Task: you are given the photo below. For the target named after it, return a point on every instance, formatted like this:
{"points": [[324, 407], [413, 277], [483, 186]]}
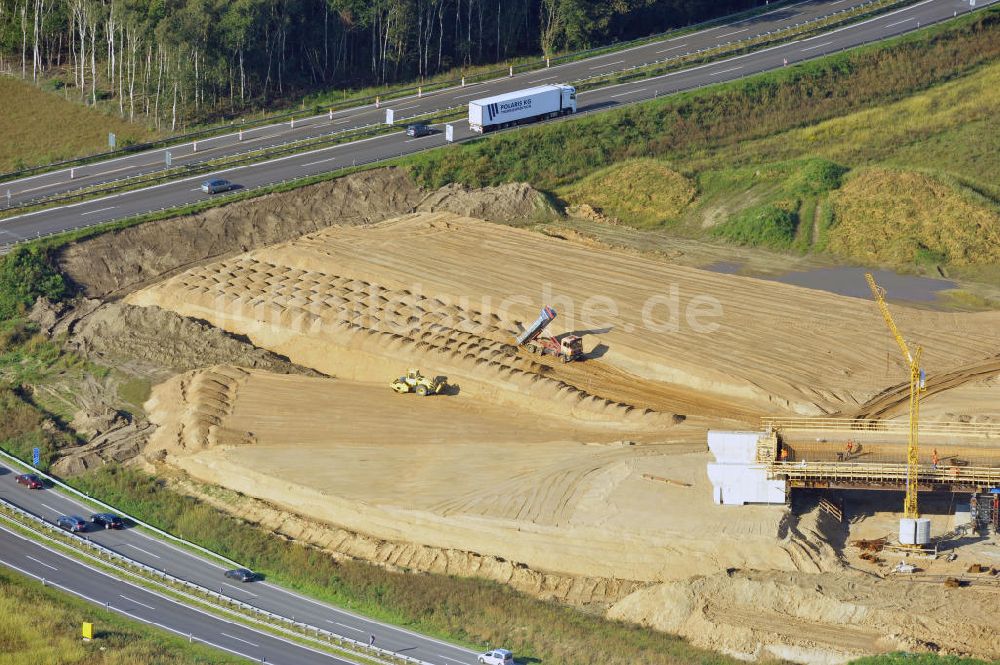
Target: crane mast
{"points": [[910, 510]]}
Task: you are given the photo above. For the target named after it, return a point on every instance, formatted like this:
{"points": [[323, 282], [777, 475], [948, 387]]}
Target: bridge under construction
{"points": [[872, 454]]}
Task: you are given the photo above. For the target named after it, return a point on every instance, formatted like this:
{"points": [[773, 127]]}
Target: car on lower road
{"points": [[29, 480], [72, 523], [241, 574], [418, 129], [497, 657], [107, 521], [217, 185]]}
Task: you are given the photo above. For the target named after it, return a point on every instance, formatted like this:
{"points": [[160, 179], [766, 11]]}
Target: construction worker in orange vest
{"points": [[934, 458]]}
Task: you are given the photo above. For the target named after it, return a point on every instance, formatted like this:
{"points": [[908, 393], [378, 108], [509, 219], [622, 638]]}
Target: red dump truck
{"points": [[568, 348]]}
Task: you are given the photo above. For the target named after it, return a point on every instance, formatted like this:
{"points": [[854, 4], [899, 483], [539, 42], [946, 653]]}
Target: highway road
{"points": [[186, 190], [50, 503], [62, 181], [62, 572]]}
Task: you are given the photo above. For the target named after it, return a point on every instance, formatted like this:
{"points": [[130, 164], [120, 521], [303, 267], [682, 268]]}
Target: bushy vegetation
{"points": [[26, 273], [42, 625], [899, 217], [470, 611], [646, 192], [39, 127]]}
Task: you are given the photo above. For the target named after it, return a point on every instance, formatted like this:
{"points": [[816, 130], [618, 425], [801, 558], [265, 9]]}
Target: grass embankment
{"points": [[40, 127], [779, 160], [43, 625]]}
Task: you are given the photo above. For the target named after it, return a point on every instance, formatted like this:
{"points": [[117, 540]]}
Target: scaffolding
{"points": [[881, 476]]}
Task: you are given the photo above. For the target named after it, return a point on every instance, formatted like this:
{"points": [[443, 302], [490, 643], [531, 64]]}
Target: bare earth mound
{"points": [[355, 302]]}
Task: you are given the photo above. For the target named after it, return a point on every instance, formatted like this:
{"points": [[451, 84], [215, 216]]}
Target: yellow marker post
{"points": [[88, 630]]}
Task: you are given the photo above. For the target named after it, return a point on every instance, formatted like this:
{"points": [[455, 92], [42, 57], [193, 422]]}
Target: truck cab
{"points": [[568, 104]]}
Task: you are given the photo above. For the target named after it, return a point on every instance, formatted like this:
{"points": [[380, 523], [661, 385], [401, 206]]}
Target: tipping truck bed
{"points": [[535, 329]]}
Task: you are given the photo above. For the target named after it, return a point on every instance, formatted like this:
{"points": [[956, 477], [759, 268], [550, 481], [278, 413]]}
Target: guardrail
{"points": [[222, 601], [232, 160], [75, 492]]}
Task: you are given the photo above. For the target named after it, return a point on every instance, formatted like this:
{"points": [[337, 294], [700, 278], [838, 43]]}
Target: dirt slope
{"points": [[114, 263]]}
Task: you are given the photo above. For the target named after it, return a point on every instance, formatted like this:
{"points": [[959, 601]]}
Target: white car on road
{"points": [[497, 657]]}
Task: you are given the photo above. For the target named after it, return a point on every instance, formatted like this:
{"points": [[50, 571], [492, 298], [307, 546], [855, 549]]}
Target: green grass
{"points": [[41, 127], [43, 625], [469, 611], [901, 658]]}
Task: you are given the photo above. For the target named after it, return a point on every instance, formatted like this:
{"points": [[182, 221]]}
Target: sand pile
{"points": [[359, 302], [460, 484], [820, 618]]}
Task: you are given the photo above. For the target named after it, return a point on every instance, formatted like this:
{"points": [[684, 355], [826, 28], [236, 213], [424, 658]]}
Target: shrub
{"points": [[26, 273], [761, 226]]}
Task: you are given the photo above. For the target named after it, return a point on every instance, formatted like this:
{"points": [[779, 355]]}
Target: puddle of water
{"points": [[849, 281]]}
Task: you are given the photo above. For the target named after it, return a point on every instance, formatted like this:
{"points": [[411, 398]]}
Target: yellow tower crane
{"points": [[916, 388]]}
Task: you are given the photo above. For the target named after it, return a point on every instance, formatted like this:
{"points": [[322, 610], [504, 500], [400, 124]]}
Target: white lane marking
{"points": [[196, 189], [672, 48], [474, 94], [630, 92], [810, 48], [441, 655], [344, 625], [730, 34], [403, 108], [419, 138], [547, 78], [91, 212], [43, 505], [239, 639], [732, 69], [321, 161], [132, 600], [341, 122], [892, 25], [253, 595], [40, 562], [608, 64], [142, 550]]}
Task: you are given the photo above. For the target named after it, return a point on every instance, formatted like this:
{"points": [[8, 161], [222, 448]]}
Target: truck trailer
{"points": [[521, 106]]}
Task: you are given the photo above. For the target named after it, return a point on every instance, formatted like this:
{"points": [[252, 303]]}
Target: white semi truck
{"points": [[521, 106]]}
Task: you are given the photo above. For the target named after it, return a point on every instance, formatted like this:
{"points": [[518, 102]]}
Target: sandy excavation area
{"points": [[354, 302], [554, 495], [582, 481]]}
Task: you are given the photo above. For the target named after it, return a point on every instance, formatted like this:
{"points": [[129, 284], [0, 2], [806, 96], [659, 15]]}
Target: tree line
{"points": [[175, 61]]}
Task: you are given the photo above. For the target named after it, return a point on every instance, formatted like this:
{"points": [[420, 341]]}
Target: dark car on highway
{"points": [[108, 521], [217, 185], [241, 574], [30, 480], [418, 129], [72, 523]]}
